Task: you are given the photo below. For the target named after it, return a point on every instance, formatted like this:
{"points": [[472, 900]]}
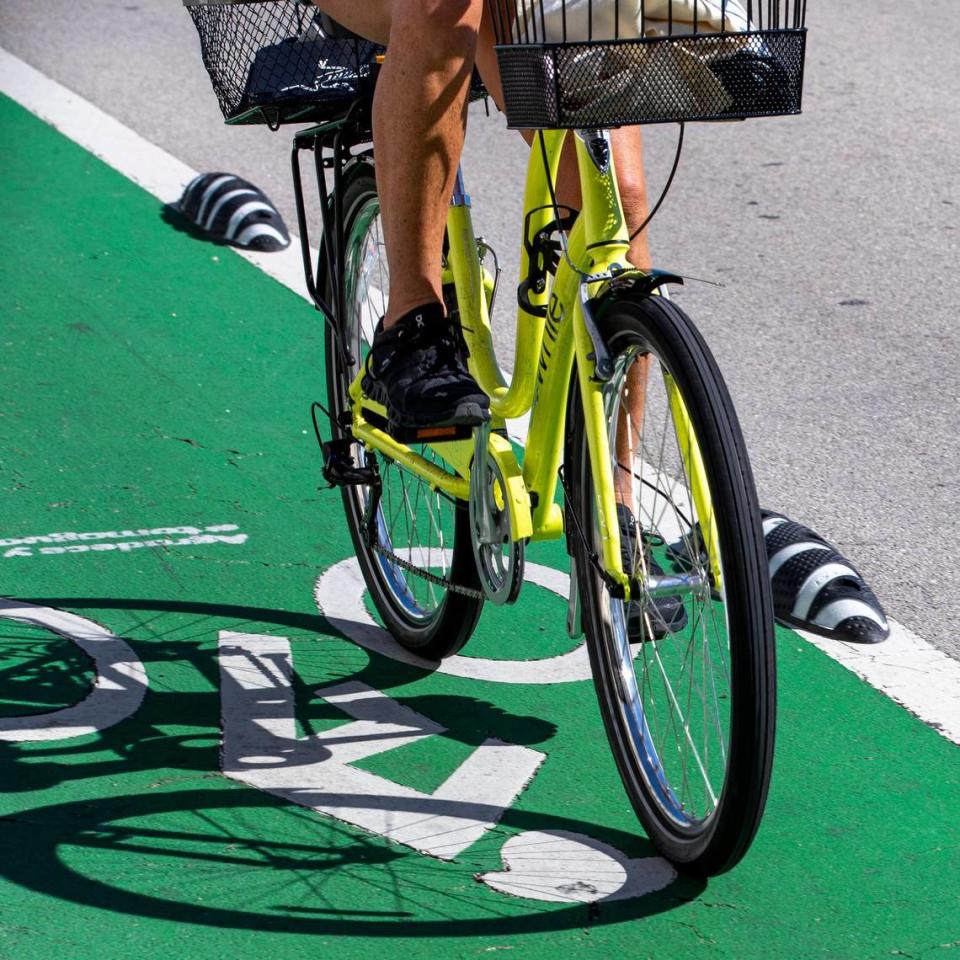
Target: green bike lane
{"points": [[155, 394]]}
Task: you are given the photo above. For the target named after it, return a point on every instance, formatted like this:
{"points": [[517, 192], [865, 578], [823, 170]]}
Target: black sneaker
{"points": [[417, 369], [667, 614]]}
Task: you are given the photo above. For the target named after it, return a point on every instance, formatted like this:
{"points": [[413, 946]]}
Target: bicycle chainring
{"points": [[499, 558]]}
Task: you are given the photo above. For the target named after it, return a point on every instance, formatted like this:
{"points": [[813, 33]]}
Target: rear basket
{"points": [[279, 61]]}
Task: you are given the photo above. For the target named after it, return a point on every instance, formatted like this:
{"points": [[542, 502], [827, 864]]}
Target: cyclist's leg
{"points": [[370, 20], [419, 125], [416, 367], [628, 156]]}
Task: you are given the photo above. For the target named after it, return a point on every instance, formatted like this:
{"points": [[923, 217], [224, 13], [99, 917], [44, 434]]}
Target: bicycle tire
{"points": [[705, 828], [429, 620]]}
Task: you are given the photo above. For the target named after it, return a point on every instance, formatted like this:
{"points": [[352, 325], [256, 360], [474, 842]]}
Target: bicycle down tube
{"points": [[550, 338]]}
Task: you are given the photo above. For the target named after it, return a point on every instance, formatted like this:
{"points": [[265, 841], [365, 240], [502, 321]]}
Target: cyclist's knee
{"points": [[444, 28], [450, 14]]}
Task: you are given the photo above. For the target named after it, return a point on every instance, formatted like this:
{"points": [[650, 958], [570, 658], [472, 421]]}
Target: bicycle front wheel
{"points": [[687, 695], [411, 542]]}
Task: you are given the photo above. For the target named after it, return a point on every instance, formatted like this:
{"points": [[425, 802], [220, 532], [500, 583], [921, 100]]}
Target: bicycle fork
{"points": [[602, 216]]}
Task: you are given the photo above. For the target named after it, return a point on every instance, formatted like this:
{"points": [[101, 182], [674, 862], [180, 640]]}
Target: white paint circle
{"points": [[555, 866], [121, 679], [339, 595]]}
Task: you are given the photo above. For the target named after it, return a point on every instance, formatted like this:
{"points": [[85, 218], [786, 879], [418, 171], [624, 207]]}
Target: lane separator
{"points": [[906, 668], [147, 165]]}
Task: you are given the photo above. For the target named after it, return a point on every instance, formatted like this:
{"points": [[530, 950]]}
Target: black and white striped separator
{"points": [[233, 210], [815, 588]]}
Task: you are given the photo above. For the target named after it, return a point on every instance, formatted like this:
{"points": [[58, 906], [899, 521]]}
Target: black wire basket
{"points": [[281, 61], [580, 64]]}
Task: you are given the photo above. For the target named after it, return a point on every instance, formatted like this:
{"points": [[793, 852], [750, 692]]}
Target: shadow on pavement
{"points": [[98, 851], [171, 215], [53, 839]]}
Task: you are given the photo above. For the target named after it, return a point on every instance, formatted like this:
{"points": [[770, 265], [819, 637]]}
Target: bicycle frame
{"points": [[552, 334], [547, 346]]}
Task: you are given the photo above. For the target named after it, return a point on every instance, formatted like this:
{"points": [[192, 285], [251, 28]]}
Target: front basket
{"points": [[653, 79]]}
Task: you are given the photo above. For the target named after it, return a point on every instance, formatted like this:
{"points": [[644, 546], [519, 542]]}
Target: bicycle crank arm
{"points": [[499, 473], [499, 513]]}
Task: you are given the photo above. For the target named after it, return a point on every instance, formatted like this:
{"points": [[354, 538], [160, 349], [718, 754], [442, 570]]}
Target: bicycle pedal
{"points": [[417, 435], [340, 469], [447, 434]]}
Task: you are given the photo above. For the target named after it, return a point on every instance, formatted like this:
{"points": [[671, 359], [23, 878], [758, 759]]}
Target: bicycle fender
{"points": [[636, 284]]}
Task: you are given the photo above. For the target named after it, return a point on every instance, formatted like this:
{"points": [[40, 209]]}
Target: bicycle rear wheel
{"points": [[404, 524], [689, 711]]}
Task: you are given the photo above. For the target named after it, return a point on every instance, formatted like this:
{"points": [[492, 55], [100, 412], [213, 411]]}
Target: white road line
{"points": [[339, 593], [561, 867], [146, 164], [909, 670], [906, 668], [261, 748]]}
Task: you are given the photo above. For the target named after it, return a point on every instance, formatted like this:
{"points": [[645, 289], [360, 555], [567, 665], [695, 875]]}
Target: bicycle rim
{"points": [[405, 523], [687, 696]]}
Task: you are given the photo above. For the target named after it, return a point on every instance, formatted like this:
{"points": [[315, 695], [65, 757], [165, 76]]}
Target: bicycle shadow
{"points": [[207, 822], [321, 857]]}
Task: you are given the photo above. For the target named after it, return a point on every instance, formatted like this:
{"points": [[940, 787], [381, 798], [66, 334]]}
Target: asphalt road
{"points": [[834, 236]]}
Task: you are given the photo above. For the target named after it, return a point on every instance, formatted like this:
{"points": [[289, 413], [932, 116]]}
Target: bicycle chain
{"points": [[427, 575]]}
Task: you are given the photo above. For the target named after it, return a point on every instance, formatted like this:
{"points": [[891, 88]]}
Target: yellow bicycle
{"points": [[633, 451]]}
